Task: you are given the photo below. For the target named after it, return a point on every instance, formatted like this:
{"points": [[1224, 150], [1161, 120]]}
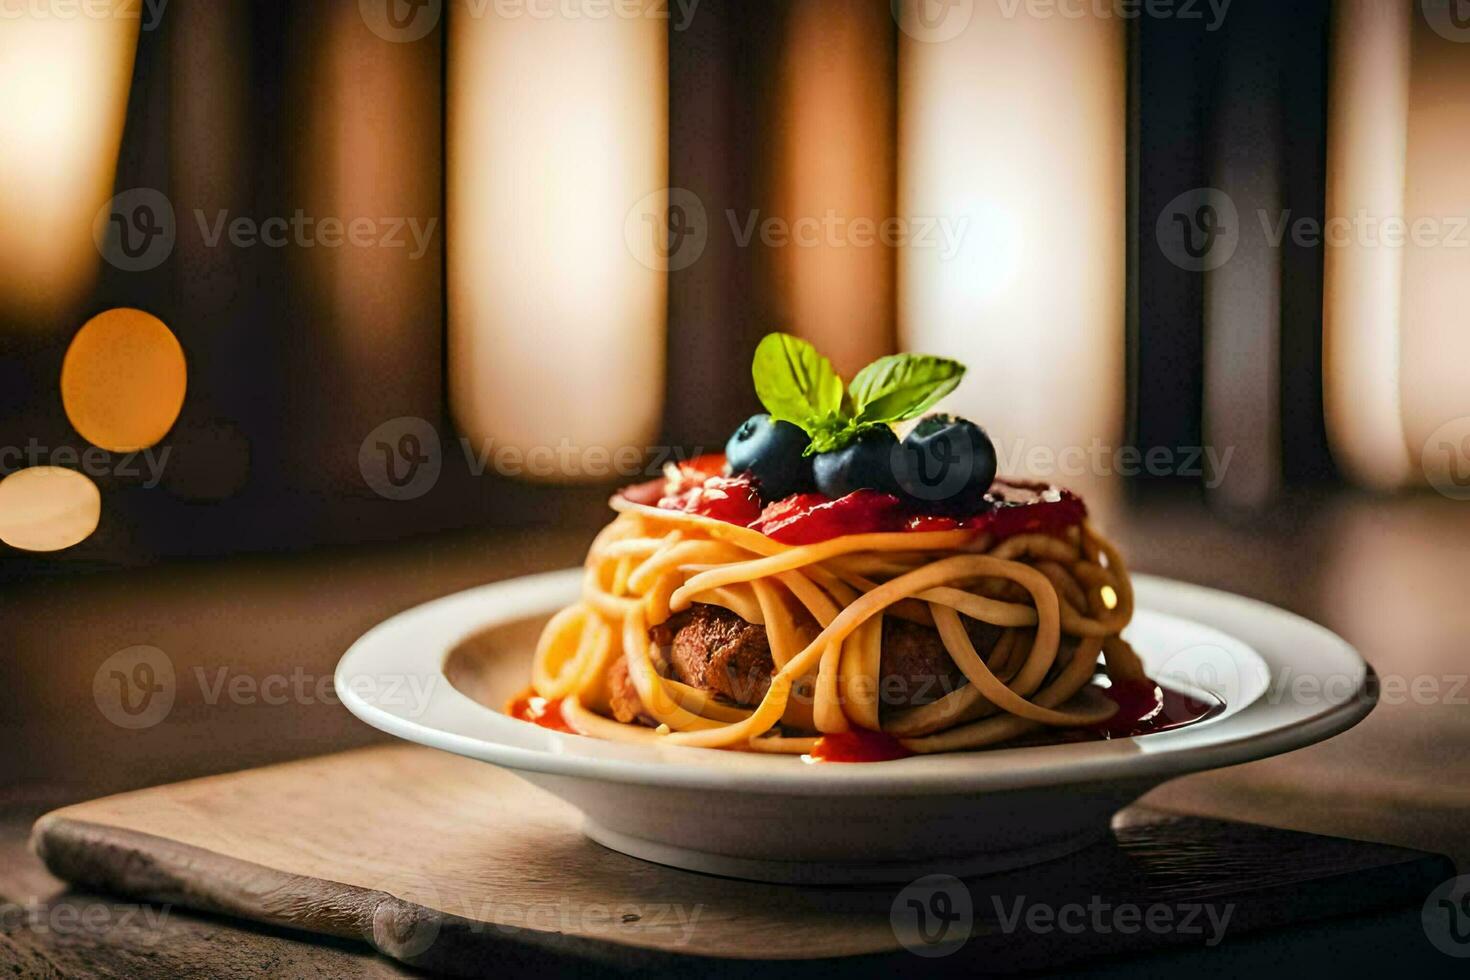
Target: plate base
{"points": [[839, 873]]}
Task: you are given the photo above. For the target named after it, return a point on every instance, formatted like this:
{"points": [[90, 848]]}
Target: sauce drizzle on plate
{"points": [[858, 745], [539, 711], [1143, 709]]}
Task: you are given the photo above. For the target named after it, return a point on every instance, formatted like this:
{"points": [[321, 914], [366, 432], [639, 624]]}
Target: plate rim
{"points": [[560, 755]]}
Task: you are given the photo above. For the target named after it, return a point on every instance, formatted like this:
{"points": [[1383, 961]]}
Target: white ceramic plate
{"points": [[429, 674]]}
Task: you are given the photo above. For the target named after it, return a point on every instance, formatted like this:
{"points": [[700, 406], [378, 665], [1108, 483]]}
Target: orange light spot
{"points": [[123, 380]]}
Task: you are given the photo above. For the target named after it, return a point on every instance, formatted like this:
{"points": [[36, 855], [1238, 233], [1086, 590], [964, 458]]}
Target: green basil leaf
{"points": [[902, 386], [838, 435], [831, 437], [795, 383]]}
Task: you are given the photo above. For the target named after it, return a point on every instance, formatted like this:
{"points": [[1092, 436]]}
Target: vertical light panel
{"points": [[557, 162], [1013, 135], [836, 178], [1367, 146], [65, 84], [1436, 331]]}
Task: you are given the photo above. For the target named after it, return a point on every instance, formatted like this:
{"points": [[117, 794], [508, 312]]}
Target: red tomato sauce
{"points": [[539, 711], [1144, 709], [1010, 508], [858, 745]]}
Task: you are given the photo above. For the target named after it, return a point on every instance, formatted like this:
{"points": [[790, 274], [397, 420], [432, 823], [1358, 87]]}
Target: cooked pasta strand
{"points": [[1057, 601]]}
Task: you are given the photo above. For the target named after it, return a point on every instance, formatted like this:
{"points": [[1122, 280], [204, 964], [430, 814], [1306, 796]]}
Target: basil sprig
{"points": [[796, 384]]}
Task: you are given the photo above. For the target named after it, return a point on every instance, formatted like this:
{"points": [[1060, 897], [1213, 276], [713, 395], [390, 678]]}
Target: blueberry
{"points": [[864, 463], [771, 452], [946, 459]]}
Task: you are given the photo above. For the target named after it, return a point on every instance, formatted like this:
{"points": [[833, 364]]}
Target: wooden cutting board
{"points": [[457, 866]]}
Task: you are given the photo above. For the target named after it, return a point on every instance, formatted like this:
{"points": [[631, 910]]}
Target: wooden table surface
{"points": [[252, 642]]}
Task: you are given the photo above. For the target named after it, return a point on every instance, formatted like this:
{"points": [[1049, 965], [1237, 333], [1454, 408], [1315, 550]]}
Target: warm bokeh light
{"points": [[1014, 132], [1397, 257], [65, 82], [123, 380], [1436, 341], [556, 328], [1363, 286], [47, 508], [835, 161]]}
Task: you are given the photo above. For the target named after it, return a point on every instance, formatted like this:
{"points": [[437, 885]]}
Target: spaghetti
{"points": [[1057, 599]]}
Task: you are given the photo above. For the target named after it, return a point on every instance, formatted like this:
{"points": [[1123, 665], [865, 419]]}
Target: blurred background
{"points": [[310, 311]]}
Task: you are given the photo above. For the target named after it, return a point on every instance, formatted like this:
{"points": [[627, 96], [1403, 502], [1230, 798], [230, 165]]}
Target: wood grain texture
{"points": [[51, 930], [453, 865]]}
